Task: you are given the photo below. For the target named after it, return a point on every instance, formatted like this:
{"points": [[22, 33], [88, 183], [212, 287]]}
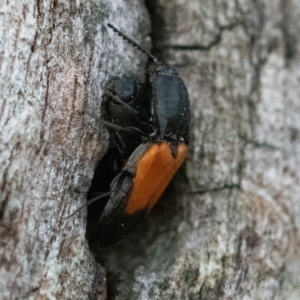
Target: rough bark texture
{"points": [[55, 55], [228, 225]]}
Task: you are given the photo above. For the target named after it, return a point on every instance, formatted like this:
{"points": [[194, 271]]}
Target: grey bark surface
{"points": [[228, 225], [54, 58]]}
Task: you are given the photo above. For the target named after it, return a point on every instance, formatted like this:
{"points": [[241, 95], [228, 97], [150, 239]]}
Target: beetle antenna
{"points": [[132, 42], [104, 195], [126, 129]]}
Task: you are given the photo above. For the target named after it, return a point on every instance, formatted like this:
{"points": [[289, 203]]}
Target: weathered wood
{"points": [[55, 56], [230, 229], [228, 225]]}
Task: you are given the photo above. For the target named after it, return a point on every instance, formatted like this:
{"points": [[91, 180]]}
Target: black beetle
{"points": [[126, 108], [149, 169]]}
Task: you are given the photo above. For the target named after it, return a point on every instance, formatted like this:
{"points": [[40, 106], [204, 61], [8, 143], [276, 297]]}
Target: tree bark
{"points": [[228, 225], [55, 56]]}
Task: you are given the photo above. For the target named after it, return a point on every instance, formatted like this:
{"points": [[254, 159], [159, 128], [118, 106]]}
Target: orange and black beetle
{"points": [[154, 162]]}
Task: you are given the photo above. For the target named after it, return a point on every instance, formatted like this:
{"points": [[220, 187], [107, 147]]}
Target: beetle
{"points": [[152, 165], [126, 105]]}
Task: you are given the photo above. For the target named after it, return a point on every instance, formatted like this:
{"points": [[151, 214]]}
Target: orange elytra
{"points": [[154, 170]]}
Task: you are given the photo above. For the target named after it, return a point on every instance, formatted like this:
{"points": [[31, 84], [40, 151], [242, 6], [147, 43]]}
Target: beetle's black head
{"points": [[124, 87]]}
